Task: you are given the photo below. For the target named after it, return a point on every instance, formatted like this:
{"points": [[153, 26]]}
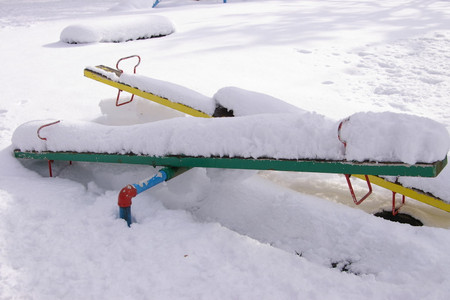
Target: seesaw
{"points": [[47, 141]]}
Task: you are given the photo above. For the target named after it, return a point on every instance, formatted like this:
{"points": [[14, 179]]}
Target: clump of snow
{"points": [[117, 29], [243, 102], [394, 137]]}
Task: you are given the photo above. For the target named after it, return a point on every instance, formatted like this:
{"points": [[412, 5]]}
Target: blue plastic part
{"points": [[125, 213], [150, 182], [157, 1]]}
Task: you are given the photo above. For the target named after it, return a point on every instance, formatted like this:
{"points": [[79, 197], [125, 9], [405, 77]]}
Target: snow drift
{"points": [[117, 29]]}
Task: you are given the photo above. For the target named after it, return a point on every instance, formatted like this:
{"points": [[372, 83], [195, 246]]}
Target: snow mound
{"points": [[117, 29], [394, 137], [244, 102]]}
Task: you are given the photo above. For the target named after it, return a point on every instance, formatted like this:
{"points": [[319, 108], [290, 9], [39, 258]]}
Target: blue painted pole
{"points": [[125, 213], [145, 184], [156, 3]]}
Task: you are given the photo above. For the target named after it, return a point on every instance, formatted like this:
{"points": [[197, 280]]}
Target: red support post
{"points": [[50, 168], [394, 209]]}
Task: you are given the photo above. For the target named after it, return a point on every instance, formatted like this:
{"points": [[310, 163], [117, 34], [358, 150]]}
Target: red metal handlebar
{"points": [[128, 57], [121, 71], [45, 125], [339, 131]]}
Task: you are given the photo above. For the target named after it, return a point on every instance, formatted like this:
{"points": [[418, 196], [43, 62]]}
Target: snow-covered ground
{"points": [[219, 234]]}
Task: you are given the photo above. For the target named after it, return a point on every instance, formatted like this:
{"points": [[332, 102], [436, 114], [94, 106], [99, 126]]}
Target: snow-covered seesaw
{"points": [[238, 129]]}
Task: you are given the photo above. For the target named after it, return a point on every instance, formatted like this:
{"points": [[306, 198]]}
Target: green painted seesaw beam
{"points": [[318, 166]]}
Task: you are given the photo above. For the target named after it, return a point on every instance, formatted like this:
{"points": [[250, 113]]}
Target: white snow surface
{"points": [[117, 29], [221, 234]]}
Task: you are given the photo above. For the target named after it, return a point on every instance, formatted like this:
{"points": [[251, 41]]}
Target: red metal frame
{"points": [[347, 176], [395, 210], [352, 192], [50, 168], [121, 71]]}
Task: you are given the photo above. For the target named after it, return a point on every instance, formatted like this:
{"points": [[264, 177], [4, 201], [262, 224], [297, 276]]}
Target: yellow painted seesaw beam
{"points": [[408, 192], [97, 75]]}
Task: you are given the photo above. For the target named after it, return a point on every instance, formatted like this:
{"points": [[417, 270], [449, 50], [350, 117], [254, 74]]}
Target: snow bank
{"points": [[369, 136], [117, 29]]}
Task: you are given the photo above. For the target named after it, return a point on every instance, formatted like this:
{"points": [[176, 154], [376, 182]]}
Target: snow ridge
{"points": [[117, 29]]}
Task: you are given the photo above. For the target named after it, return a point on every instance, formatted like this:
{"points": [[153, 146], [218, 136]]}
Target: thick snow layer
{"points": [[117, 29], [372, 136], [394, 137], [286, 136], [243, 102]]}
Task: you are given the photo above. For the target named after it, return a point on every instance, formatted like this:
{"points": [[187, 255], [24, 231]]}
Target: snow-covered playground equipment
{"points": [[234, 132]]}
